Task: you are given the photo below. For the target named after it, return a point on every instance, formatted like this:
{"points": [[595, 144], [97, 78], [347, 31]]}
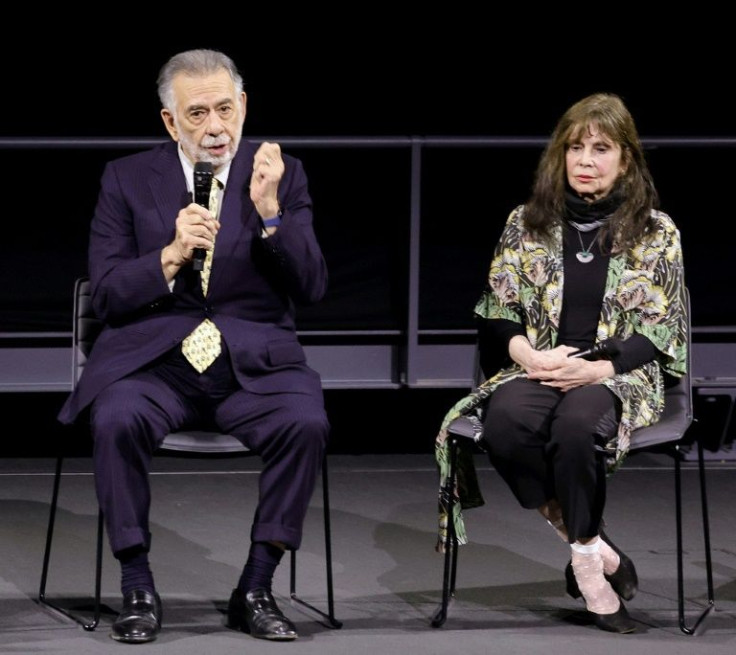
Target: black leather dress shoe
{"points": [[257, 614], [624, 579], [140, 620]]}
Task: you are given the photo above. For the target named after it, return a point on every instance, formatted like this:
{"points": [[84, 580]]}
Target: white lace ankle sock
{"points": [[610, 557], [587, 564]]}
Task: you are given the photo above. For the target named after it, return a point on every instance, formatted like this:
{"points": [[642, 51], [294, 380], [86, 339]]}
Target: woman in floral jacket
{"points": [[588, 260]]}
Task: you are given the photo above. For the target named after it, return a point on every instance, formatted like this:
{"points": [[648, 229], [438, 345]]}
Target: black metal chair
{"points": [[667, 435], [86, 328]]}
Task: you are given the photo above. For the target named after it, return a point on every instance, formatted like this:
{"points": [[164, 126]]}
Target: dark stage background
{"points": [[367, 74]]}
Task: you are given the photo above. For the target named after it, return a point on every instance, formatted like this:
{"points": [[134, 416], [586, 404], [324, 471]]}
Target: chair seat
{"points": [[201, 441], [468, 427], [672, 425]]}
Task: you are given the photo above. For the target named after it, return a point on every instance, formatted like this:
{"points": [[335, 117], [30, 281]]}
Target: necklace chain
{"points": [[584, 255]]}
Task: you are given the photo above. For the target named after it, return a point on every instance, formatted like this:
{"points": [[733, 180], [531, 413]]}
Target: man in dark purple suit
{"points": [[138, 385]]}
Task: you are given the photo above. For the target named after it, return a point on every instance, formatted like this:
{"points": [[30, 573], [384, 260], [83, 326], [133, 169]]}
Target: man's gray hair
{"points": [[194, 63]]}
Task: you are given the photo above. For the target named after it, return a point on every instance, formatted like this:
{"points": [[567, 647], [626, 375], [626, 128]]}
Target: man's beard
{"points": [[200, 152]]}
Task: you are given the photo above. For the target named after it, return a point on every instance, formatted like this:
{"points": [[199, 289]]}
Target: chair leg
{"points": [[692, 630], [449, 572], [329, 616], [88, 625]]}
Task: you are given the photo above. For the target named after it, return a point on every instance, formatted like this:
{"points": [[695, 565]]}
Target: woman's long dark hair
{"points": [[607, 113]]}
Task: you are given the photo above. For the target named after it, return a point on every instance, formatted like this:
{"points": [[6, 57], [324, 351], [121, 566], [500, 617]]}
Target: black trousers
{"points": [[545, 444]]}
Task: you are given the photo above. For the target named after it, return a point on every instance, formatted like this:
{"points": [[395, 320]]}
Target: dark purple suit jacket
{"points": [[253, 287]]}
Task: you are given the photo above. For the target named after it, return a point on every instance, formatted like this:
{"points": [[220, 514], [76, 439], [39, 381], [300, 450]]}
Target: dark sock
{"points": [[258, 571], [136, 573]]}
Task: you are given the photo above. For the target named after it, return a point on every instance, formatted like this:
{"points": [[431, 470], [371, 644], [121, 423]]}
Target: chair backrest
{"points": [[678, 409], [86, 329]]}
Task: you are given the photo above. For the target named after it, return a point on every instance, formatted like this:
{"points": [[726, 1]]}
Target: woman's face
{"points": [[593, 163]]}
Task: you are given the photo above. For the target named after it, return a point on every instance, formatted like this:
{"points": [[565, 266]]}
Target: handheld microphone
{"points": [[602, 350], [203, 173]]}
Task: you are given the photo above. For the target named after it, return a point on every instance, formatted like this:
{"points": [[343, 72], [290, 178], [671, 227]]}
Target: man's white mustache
{"points": [[213, 142]]}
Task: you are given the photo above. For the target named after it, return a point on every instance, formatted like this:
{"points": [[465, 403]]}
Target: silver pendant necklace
{"points": [[584, 255]]}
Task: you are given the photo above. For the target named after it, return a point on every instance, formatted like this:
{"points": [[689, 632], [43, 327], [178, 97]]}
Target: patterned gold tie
{"points": [[203, 345]]}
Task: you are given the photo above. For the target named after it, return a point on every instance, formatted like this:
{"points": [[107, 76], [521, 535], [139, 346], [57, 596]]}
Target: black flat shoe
{"points": [[140, 619], [257, 614], [619, 621], [624, 579]]}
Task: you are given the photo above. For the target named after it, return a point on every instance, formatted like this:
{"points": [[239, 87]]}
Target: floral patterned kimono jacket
{"points": [[644, 293]]}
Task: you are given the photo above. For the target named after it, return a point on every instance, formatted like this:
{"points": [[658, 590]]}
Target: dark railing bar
{"points": [[457, 332], [306, 333], [35, 335], [141, 142], [350, 333], [415, 222], [540, 142], [460, 332], [714, 329], [348, 141]]}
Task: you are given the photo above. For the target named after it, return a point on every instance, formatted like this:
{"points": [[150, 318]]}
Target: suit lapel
{"points": [[168, 187]]}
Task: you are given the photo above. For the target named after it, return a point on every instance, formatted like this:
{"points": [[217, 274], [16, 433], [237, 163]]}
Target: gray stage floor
{"points": [[511, 594]]}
